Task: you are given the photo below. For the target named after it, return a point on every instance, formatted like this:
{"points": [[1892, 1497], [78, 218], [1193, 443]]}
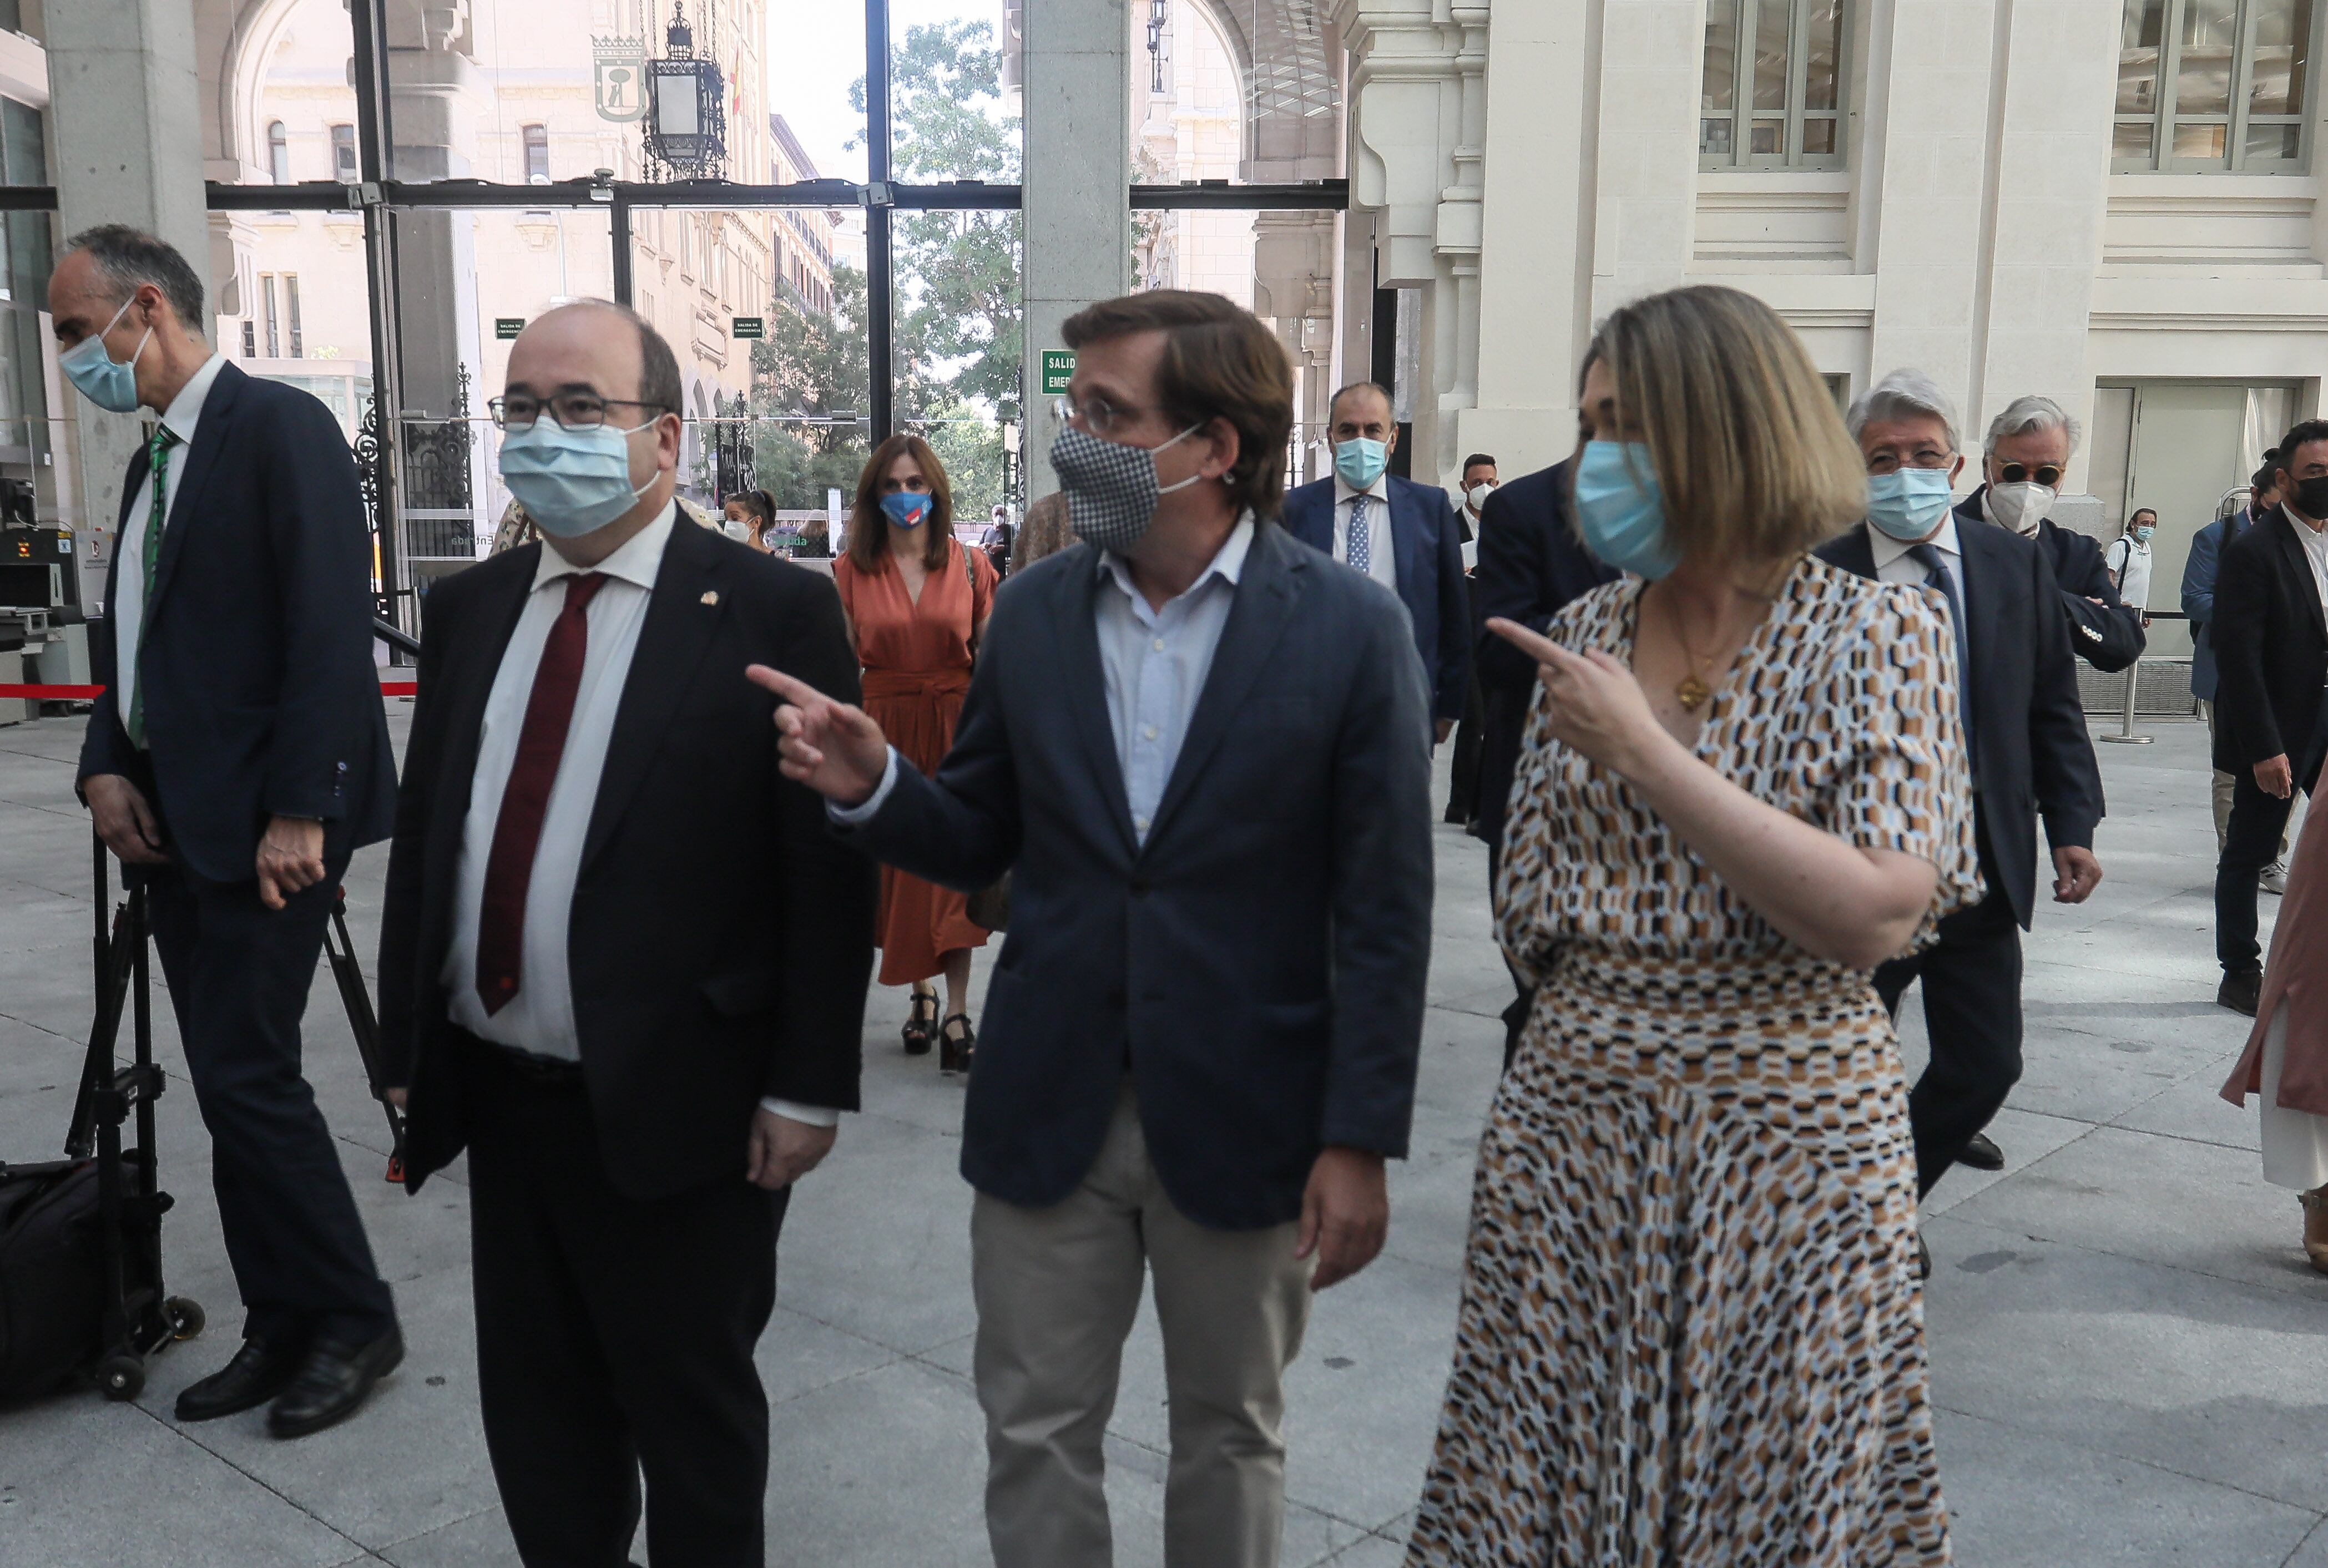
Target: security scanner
{"points": [[42, 634]]}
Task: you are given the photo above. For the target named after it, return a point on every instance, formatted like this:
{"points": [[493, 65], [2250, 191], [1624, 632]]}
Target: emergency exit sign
{"points": [[750, 326], [506, 327], [1058, 365]]}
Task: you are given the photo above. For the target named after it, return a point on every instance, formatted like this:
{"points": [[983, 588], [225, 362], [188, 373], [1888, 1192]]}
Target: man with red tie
{"points": [[623, 963]]}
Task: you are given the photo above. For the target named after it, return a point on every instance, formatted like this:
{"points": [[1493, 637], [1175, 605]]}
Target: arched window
{"points": [[279, 154]]}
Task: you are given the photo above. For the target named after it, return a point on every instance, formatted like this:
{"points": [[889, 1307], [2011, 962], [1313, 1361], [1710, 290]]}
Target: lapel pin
{"points": [[712, 597]]}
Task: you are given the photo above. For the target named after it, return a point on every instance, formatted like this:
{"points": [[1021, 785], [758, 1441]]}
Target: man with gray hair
{"points": [[237, 756], [2026, 740], [2028, 451]]}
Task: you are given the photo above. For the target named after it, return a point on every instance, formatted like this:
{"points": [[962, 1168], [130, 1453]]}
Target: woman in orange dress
{"points": [[916, 603]]}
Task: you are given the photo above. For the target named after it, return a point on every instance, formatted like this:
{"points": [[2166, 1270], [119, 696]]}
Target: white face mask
{"points": [[1477, 495], [2020, 507]]}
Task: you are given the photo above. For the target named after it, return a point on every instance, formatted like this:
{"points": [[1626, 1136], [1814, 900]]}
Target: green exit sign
{"points": [[750, 326], [506, 327], [1058, 366]]}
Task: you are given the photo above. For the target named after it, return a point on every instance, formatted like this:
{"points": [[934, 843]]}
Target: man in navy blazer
{"points": [[1199, 748], [236, 758], [1406, 538]]}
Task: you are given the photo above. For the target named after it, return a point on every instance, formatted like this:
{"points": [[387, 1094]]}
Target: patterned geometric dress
{"points": [[1692, 1335]]}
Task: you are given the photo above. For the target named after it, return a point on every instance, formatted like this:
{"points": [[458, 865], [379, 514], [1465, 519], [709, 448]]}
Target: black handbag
{"points": [[51, 1275], [989, 905]]}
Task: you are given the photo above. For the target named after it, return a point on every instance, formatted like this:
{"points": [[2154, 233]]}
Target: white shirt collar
{"points": [[1227, 562], [635, 562], [1379, 488], [186, 407], [1888, 550]]}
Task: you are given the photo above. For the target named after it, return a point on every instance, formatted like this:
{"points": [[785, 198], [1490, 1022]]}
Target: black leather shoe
{"points": [[2242, 994], [1923, 1258], [1981, 1154], [331, 1382], [260, 1371]]}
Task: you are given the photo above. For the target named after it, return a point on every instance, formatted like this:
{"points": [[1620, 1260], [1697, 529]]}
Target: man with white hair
{"points": [[2028, 451], [2026, 739]]}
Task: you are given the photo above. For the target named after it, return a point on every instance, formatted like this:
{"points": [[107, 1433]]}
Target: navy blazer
{"points": [[2199, 570], [2271, 647], [261, 696], [2031, 754], [1532, 565], [1427, 545], [1257, 965], [2107, 635]]}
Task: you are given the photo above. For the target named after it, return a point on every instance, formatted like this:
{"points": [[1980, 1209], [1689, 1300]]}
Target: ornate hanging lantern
{"points": [[686, 108]]}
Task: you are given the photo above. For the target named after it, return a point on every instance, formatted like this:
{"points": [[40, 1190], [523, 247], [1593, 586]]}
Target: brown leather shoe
{"points": [[2315, 1226]]}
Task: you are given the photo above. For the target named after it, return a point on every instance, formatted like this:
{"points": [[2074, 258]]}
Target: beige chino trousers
{"points": [[1057, 1289]]}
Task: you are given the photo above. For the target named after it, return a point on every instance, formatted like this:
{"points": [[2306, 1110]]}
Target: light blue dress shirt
{"points": [[1153, 663]]}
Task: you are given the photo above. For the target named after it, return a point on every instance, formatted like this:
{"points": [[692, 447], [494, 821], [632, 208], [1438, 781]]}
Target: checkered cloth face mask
{"points": [[1112, 491]]}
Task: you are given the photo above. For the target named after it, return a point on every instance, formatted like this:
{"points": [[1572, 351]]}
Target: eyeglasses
{"points": [[1095, 414], [575, 410], [2047, 475]]}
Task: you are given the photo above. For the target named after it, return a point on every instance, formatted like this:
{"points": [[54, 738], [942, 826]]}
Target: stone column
{"points": [[127, 143], [1652, 61], [1076, 223]]}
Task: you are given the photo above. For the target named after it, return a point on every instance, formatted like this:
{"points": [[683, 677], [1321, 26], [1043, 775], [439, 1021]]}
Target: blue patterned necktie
{"points": [[1360, 551], [149, 558], [1938, 576]]}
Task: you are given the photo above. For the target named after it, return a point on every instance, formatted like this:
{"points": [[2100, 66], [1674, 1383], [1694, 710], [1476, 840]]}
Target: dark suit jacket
{"points": [[2107, 635], [2199, 572], [261, 696], [2032, 755], [721, 940], [1256, 965], [1428, 542], [2271, 651], [1530, 567]]}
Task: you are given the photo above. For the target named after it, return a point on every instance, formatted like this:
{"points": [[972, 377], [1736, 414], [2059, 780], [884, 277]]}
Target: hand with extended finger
{"points": [[830, 747], [1598, 708]]}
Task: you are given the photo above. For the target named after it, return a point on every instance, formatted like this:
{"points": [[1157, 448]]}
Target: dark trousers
{"points": [[1972, 1012], [2250, 842], [1463, 789], [239, 975], [614, 1335]]}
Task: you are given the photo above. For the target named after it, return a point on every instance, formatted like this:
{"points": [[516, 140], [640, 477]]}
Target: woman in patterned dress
{"points": [[1691, 1331]]}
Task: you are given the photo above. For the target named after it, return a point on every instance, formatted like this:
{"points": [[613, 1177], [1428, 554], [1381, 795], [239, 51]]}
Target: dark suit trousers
{"points": [[238, 976], [614, 1335], [1463, 790], [2250, 842], [1972, 1013]]}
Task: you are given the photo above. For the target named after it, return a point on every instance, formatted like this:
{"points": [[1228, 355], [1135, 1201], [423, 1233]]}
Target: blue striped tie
{"points": [[1938, 576]]}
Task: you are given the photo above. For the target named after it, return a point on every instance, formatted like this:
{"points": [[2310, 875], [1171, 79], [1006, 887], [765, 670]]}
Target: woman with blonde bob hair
{"points": [[1691, 1332]]}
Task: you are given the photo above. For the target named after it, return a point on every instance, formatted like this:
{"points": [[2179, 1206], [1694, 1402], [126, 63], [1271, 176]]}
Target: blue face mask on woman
{"points": [[571, 482], [1619, 510], [907, 508], [1907, 503]]}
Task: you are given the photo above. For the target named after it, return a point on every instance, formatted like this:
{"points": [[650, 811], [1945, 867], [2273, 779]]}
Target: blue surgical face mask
{"points": [[1907, 503], [1618, 511], [907, 508], [571, 482], [86, 365], [2142, 534], [1360, 462]]}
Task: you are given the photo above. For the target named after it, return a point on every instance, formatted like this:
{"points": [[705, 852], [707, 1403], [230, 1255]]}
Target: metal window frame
{"points": [[2236, 122], [1791, 159]]}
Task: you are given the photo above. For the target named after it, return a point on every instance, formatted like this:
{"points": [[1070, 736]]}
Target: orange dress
{"points": [[916, 659]]}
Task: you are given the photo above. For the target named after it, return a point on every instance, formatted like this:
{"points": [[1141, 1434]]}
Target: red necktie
{"points": [[525, 799]]}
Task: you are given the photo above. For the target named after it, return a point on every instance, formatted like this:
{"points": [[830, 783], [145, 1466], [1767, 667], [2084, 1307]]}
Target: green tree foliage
{"points": [[956, 329]]}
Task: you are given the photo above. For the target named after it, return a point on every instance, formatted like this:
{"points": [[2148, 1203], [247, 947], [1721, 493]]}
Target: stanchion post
{"points": [[2125, 734]]}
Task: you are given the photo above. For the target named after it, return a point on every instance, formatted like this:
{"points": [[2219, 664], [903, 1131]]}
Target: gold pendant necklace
{"points": [[1691, 691]]}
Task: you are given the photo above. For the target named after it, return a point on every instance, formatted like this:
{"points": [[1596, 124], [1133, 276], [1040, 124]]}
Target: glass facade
{"points": [[1772, 92], [2214, 86]]}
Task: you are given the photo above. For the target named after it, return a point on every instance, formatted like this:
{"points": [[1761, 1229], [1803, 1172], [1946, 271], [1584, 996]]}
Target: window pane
{"points": [[1714, 138], [2139, 38], [1818, 138], [2202, 85], [2198, 141], [1719, 88], [1770, 55], [1823, 34], [1768, 139], [2134, 139], [2273, 143], [2283, 38]]}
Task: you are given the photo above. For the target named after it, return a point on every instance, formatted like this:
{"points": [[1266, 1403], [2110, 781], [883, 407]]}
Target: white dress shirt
{"points": [[1153, 664], [2314, 541], [127, 610], [1382, 562], [540, 1018], [1892, 564]]}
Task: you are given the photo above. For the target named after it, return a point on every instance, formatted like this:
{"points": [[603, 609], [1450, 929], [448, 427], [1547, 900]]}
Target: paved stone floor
{"points": [[2124, 1346]]}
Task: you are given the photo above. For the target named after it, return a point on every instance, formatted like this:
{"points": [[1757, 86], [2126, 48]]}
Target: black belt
{"points": [[547, 1071]]}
